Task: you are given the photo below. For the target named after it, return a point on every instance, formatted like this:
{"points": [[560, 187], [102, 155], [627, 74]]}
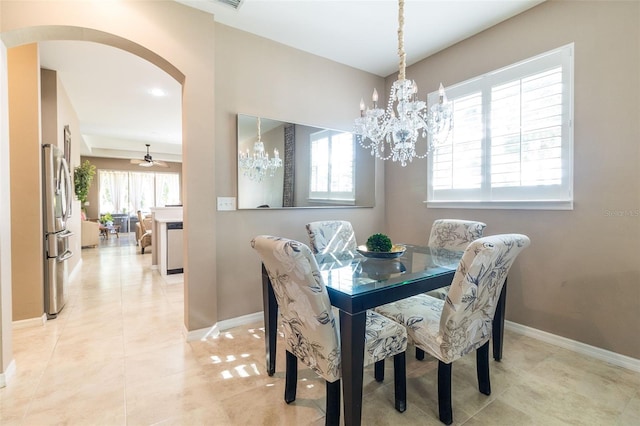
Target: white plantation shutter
{"points": [[512, 141], [332, 166]]}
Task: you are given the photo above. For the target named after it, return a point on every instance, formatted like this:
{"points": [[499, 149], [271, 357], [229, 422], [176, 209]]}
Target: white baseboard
{"points": [[238, 321], [202, 333], [7, 375], [31, 322], [579, 347], [214, 331]]}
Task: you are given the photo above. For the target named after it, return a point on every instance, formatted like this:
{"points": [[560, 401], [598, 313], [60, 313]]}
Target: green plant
{"points": [[82, 178], [106, 218], [379, 243]]}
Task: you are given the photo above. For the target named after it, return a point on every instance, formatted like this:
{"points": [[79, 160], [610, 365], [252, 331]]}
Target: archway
{"points": [[35, 34]]}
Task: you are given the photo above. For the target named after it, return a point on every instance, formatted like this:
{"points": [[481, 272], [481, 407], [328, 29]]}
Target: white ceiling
{"points": [[109, 88]]}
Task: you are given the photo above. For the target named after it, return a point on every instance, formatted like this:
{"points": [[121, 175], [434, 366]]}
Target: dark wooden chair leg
{"points": [[378, 370], [498, 323], [333, 404], [400, 381], [419, 354], [291, 378], [444, 393], [482, 368]]}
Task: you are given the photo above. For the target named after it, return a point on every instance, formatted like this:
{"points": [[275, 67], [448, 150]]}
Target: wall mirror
{"points": [[289, 165]]}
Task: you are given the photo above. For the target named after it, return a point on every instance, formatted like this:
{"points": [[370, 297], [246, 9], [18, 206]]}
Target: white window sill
{"points": [[501, 205]]}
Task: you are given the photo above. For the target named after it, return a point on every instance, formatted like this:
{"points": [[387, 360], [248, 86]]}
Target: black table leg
{"points": [[498, 323], [352, 329], [270, 321]]}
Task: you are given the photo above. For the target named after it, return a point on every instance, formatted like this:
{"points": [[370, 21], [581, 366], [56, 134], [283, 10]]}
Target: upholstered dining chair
{"points": [[331, 236], [450, 329], [144, 233], [453, 234], [310, 330]]}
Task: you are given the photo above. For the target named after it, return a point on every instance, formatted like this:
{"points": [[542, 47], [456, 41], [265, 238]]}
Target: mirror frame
{"points": [[274, 133]]}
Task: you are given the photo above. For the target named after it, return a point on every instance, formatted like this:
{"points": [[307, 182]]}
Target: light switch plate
{"points": [[226, 203]]}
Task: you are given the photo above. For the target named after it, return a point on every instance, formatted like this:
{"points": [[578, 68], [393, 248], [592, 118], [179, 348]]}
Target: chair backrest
{"points": [[331, 236], [468, 312], [141, 221], [454, 234], [309, 326]]}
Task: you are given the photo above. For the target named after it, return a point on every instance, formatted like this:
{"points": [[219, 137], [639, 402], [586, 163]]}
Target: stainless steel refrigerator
{"points": [[56, 193]]}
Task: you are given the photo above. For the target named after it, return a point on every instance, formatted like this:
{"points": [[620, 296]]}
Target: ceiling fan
{"points": [[148, 161]]}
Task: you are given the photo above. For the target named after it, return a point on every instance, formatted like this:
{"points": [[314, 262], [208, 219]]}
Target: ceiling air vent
{"points": [[233, 3]]}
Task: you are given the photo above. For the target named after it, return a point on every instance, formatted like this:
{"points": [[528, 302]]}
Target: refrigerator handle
{"points": [[67, 189], [66, 255]]}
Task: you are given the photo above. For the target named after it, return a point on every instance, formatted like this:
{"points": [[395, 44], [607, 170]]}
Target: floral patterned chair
{"points": [[453, 234], [331, 236], [450, 329], [310, 330]]}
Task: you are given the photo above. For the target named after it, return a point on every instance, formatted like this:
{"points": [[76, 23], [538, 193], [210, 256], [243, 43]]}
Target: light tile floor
{"points": [[116, 355]]}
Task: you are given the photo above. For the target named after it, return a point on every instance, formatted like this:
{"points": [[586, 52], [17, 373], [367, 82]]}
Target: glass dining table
{"points": [[356, 283]]}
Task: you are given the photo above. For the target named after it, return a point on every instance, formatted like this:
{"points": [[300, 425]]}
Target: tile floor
{"points": [[116, 355]]}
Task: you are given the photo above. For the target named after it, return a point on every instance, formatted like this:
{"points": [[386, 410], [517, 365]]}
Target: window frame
{"points": [[128, 201], [541, 197], [330, 196]]}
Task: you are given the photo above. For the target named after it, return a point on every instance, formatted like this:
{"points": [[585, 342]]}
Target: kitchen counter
{"points": [[161, 217]]}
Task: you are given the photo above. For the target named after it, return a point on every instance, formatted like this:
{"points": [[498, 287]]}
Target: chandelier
{"points": [[401, 127], [256, 166]]}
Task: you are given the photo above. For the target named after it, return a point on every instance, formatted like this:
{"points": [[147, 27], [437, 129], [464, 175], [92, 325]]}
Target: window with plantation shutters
{"points": [[331, 175], [511, 145]]}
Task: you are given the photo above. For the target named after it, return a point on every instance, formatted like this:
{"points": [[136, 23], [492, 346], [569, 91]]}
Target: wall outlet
{"points": [[226, 203]]}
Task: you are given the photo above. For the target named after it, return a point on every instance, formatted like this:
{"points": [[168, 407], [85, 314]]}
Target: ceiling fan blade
{"points": [[148, 161]]}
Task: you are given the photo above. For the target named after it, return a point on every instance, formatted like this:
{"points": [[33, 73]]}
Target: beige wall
{"points": [[581, 276], [26, 211], [118, 164], [6, 314], [258, 77]]}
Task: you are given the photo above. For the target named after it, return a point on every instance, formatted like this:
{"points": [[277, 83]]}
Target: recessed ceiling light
{"points": [[158, 92]]}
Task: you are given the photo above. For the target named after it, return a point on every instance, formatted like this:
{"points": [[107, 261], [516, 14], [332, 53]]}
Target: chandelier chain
{"points": [[401, 54]]}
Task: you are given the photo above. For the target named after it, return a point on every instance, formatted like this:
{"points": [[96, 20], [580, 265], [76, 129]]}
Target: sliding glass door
{"points": [[123, 193]]}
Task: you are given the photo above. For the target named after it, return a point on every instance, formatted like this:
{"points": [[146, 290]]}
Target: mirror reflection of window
{"points": [[332, 166]]}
